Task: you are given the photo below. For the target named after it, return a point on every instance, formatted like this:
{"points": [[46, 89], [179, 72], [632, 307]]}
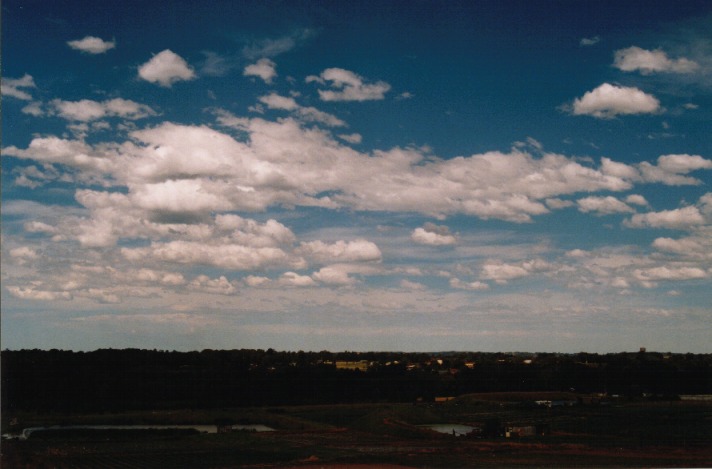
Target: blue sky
{"points": [[413, 176]]}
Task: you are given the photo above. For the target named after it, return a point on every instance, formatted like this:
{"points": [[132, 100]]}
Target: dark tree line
{"points": [[113, 380]]}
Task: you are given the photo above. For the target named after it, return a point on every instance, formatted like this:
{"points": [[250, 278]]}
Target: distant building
{"points": [[444, 398], [361, 365]]}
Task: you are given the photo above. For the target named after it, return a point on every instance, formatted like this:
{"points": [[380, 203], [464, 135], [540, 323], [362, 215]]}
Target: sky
{"points": [[394, 176]]}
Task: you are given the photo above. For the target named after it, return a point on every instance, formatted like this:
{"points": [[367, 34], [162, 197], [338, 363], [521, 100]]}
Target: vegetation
{"points": [[338, 409], [627, 433], [120, 380]]}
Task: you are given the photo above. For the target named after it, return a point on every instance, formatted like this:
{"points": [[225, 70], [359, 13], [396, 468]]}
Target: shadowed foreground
{"points": [[629, 433]]}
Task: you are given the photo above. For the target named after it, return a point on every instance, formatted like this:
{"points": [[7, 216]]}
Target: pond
{"points": [[449, 428], [25, 434]]}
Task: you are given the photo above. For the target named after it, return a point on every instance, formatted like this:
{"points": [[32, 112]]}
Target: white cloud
{"points": [[23, 254], [31, 293], [670, 169], [33, 109], [227, 256], [637, 199], [256, 280], [293, 279], [590, 41], [92, 45], [654, 274], [87, 110], [683, 164], [11, 87], [275, 101], [283, 163], [556, 203], [220, 285], [697, 247], [308, 114], [474, 286], [56, 150], [179, 196], [408, 285], [608, 101], [433, 235], [359, 250], [348, 86], [677, 219], [603, 205], [264, 69], [646, 61], [351, 138], [502, 273], [334, 275], [166, 68]]}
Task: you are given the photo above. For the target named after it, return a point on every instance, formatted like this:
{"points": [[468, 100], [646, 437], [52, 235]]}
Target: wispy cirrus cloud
{"points": [[13, 87], [272, 47]]}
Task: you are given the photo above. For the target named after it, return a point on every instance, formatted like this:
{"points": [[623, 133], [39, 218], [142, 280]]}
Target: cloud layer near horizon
{"points": [[259, 189]]}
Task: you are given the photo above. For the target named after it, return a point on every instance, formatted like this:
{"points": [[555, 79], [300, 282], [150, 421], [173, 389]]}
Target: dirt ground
{"points": [[385, 436]]}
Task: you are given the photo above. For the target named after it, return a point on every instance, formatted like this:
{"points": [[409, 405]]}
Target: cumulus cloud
{"points": [[473, 286], [334, 275], [88, 110], [608, 101], [33, 109], [23, 254], [695, 247], [351, 138], [166, 68], [670, 170], [92, 45], [636, 199], [293, 279], [502, 273], [11, 87], [220, 285], [348, 86], [283, 163], [227, 256], [677, 219], [32, 293], [683, 164], [256, 280], [651, 61], [307, 114], [359, 250], [433, 235], [603, 205], [655, 274], [555, 203], [264, 69]]}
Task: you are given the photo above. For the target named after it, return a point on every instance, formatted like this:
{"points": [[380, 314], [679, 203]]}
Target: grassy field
{"points": [[622, 434]]}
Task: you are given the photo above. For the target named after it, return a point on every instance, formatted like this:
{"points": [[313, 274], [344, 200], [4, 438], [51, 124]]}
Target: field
{"points": [[626, 433]]}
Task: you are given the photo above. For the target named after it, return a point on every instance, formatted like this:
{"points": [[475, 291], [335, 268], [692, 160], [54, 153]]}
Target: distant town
{"points": [[126, 379]]}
